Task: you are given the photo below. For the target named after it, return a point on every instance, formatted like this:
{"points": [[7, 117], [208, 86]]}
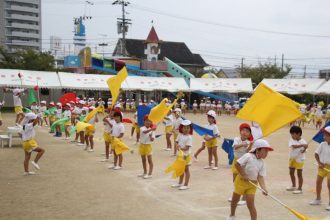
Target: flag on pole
{"points": [[31, 97], [159, 112], [227, 146], [270, 109], [201, 130], [178, 166], [319, 136], [141, 112], [114, 84], [91, 114]]}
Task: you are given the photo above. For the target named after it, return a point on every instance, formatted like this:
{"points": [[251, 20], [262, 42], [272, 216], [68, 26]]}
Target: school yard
{"points": [[74, 184]]}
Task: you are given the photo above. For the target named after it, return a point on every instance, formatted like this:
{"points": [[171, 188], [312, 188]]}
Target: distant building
{"points": [[153, 50], [229, 73], [324, 74], [20, 24]]}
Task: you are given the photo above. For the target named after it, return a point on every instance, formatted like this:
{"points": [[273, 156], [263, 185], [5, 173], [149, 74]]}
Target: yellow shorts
{"points": [[145, 149], [244, 187], [107, 137], [175, 135], [52, 118], [233, 167], [322, 173], [188, 158], [211, 143], [29, 145], [137, 128], [296, 165], [18, 109], [168, 129], [90, 130], [67, 123]]}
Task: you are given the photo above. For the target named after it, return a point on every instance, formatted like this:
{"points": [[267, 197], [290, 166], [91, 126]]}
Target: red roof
{"points": [[152, 37]]}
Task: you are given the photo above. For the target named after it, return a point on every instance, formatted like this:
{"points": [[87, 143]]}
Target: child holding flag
{"points": [[67, 125], [168, 121], [118, 131], [251, 168], [58, 116], [298, 148], [176, 125], [108, 122], [145, 148], [42, 110], [183, 144], [211, 141], [29, 144], [17, 93], [322, 156], [90, 131]]}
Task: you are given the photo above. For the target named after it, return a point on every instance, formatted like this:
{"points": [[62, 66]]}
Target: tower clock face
{"points": [[154, 50]]}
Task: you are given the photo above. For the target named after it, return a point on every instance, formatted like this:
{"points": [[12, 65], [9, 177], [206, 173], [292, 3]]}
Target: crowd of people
{"points": [[248, 167]]}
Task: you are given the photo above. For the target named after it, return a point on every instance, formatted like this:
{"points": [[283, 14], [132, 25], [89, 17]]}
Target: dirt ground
{"points": [[73, 184]]}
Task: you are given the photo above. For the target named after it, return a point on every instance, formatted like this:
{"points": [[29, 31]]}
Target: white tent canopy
{"points": [[9, 77], [324, 89], [170, 84], [221, 85], [294, 86]]}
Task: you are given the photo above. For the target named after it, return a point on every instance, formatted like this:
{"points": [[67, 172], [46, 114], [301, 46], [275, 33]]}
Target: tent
{"points": [[29, 79], [294, 86], [234, 85], [324, 89]]}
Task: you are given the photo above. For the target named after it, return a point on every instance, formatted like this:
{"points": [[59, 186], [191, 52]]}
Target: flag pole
{"points": [[38, 93]]}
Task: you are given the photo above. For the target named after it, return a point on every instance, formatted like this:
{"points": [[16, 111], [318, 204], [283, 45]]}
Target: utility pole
{"points": [[123, 23], [242, 65], [282, 64], [305, 72], [275, 61]]}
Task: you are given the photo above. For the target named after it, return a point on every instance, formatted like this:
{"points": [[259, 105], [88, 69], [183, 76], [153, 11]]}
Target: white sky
{"points": [[220, 46]]}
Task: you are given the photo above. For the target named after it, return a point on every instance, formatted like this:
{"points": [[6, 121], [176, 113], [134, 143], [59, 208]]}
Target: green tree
{"points": [[266, 70], [27, 60]]}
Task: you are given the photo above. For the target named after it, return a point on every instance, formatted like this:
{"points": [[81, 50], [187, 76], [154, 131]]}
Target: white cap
{"points": [[261, 143], [186, 122], [91, 107], [43, 102], [326, 129], [85, 109], [177, 110], [59, 104], [28, 117], [68, 104], [17, 90], [212, 113], [82, 102], [117, 106], [52, 103]]}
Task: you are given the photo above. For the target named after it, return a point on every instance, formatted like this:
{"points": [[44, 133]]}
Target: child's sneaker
{"points": [[91, 150], [215, 168], [80, 144], [207, 167], [315, 202], [117, 168], [183, 187], [229, 199], [104, 160], [147, 176], [230, 218], [176, 185], [327, 208], [290, 188], [241, 203], [141, 175], [298, 191], [111, 167], [35, 165], [29, 173], [67, 138]]}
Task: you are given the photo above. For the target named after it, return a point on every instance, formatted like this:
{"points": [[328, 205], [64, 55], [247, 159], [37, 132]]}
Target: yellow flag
{"points": [[91, 114], [120, 147], [81, 126], [301, 216], [115, 82], [270, 109], [178, 167], [159, 112]]}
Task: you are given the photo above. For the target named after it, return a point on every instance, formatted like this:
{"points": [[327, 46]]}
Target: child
{"points": [[184, 144], [17, 93], [58, 115], [183, 106], [29, 144], [145, 148], [51, 115], [318, 117], [168, 121], [219, 108], [108, 122], [90, 131], [298, 148], [241, 146], [195, 107], [251, 168], [42, 110], [211, 141], [202, 106], [67, 125], [136, 128], [322, 156], [81, 134], [34, 108], [176, 125], [118, 131]]}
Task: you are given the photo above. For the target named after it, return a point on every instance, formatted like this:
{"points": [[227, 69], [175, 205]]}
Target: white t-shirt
{"points": [[242, 150], [183, 141], [107, 127], [34, 108], [252, 166], [219, 106], [77, 110], [169, 121], [17, 101], [43, 108], [145, 137], [177, 123], [195, 105], [117, 129], [324, 152], [58, 113], [295, 153], [67, 113], [28, 132], [214, 128], [202, 105]]}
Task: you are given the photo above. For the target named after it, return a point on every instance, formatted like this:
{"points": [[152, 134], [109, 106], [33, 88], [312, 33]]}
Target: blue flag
{"points": [[141, 112], [319, 136], [227, 146], [201, 130]]}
